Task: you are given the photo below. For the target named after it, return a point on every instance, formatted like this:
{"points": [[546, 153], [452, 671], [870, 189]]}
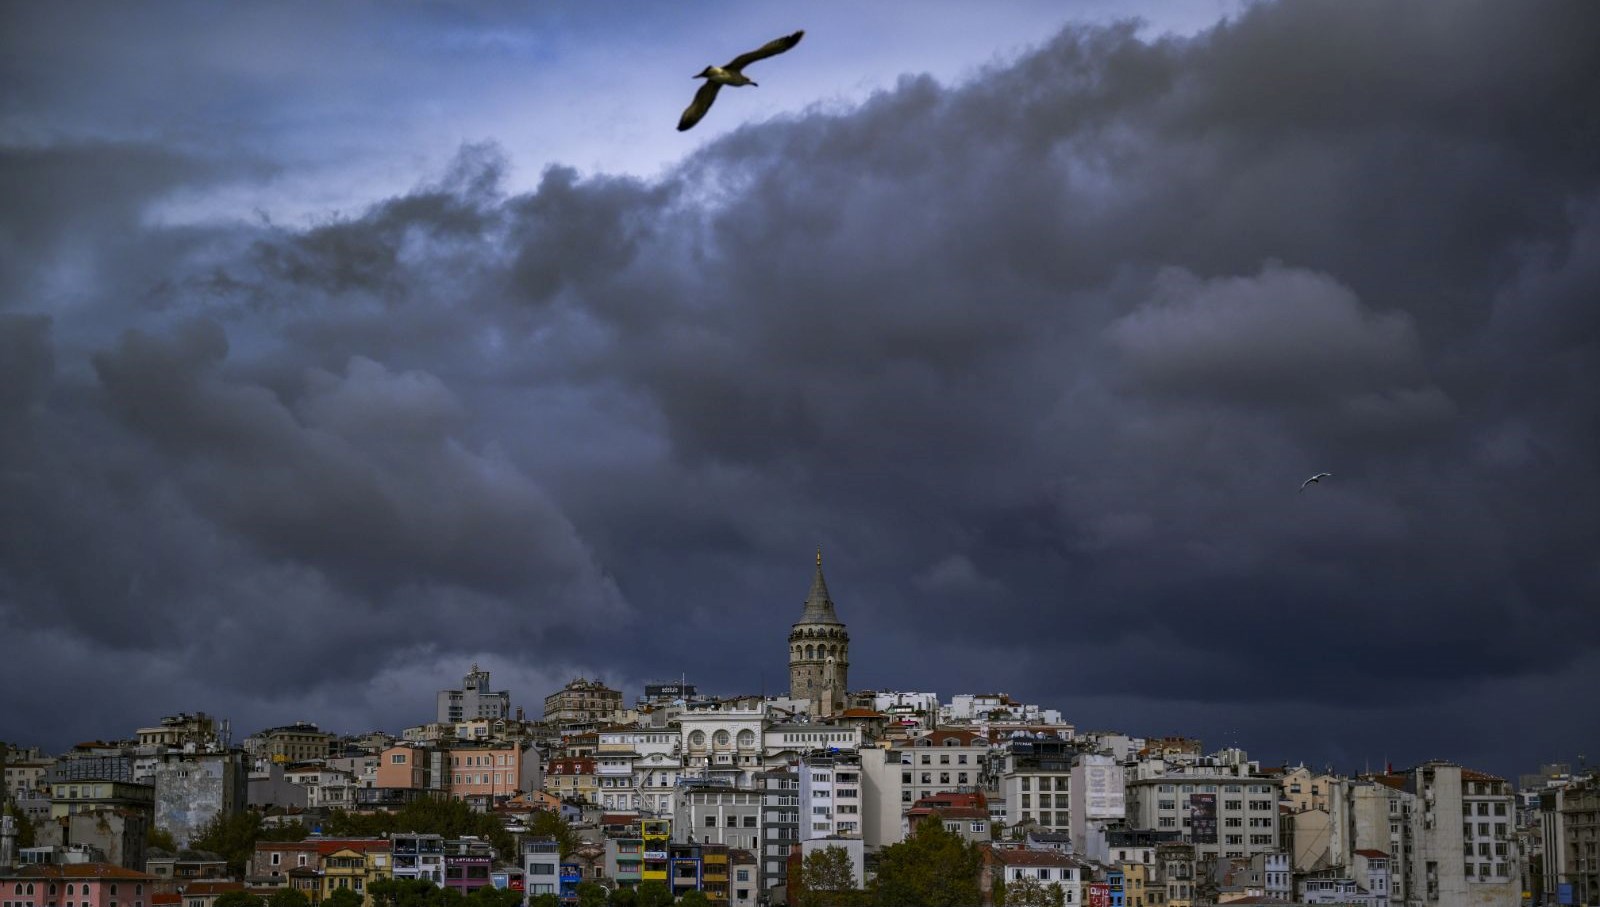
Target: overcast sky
{"points": [[345, 345]]}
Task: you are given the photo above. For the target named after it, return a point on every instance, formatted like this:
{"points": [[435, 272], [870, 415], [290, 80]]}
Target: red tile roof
{"points": [[78, 871], [1468, 774], [206, 889], [1016, 856], [1373, 854]]}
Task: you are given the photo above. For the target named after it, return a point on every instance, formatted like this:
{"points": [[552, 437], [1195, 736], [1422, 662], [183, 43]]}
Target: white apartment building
{"points": [[940, 761], [1098, 800], [974, 707], [723, 743], [883, 799], [1466, 852], [922, 708], [1222, 804], [708, 814], [326, 788], [830, 795], [637, 769], [783, 743], [475, 699]]}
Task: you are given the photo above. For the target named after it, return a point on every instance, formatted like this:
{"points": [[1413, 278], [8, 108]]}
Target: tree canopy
{"points": [[237, 899], [654, 894], [932, 868], [233, 837], [827, 879]]}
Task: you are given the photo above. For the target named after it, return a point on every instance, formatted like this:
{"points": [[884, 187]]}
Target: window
{"points": [[397, 759], [711, 821]]}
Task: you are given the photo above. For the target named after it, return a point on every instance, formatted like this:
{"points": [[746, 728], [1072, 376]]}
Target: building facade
{"points": [[476, 699], [583, 702]]}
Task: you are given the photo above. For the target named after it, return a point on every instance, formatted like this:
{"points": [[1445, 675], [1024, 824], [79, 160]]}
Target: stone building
{"points": [[819, 652]]}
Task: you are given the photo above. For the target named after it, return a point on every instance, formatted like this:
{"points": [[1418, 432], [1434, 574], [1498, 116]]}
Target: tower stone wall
{"points": [[819, 652]]}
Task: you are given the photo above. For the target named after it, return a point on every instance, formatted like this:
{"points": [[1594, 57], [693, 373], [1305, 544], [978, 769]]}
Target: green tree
{"points": [[591, 894], [162, 839], [546, 824], [932, 868], [622, 897], [232, 837], [1025, 892], [1056, 894], [998, 891], [408, 893], [827, 879], [545, 900], [694, 897], [450, 818], [654, 894], [237, 899], [288, 897], [343, 897], [490, 896]]}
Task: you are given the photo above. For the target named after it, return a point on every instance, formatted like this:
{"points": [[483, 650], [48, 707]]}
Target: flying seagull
{"points": [[732, 74], [1316, 478]]}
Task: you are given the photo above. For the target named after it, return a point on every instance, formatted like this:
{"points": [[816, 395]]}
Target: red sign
{"points": [[1099, 894], [516, 884]]}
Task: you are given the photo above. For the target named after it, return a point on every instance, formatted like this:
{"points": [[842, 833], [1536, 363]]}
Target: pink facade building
{"points": [[76, 885], [491, 772]]}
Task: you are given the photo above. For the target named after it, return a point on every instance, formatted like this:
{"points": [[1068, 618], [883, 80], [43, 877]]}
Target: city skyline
{"points": [[344, 347]]}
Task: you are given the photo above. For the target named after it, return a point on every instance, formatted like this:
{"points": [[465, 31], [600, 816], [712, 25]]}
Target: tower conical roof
{"points": [[819, 607]]}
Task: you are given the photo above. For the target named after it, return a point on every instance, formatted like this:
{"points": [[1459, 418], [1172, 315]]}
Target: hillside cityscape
{"points": [[823, 795]]}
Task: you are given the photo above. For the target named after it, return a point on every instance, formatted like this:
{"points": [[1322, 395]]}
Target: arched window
{"points": [[809, 653]]}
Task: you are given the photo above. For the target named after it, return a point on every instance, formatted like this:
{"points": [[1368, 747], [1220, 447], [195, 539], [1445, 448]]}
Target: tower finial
{"points": [[819, 555]]}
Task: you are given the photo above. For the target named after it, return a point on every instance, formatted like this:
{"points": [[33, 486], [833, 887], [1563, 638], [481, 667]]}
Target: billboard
{"points": [[1099, 894], [1203, 818], [1103, 791]]}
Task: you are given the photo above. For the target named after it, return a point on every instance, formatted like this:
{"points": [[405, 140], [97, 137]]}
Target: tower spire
{"points": [[819, 606]]}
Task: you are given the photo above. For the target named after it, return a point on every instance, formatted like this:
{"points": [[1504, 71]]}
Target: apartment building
{"points": [[1466, 852], [830, 795], [298, 742], [941, 761], [1224, 805], [780, 824], [475, 700], [709, 813], [583, 702]]}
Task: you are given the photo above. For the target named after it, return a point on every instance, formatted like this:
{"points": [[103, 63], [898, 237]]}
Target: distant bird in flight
{"points": [[1316, 478], [732, 74]]}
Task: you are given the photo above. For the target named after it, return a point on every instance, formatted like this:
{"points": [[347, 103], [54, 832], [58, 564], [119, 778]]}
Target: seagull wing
{"points": [[698, 107], [770, 49]]}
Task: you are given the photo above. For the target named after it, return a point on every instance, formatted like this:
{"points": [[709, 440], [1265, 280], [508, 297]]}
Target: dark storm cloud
{"points": [[1040, 359]]}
